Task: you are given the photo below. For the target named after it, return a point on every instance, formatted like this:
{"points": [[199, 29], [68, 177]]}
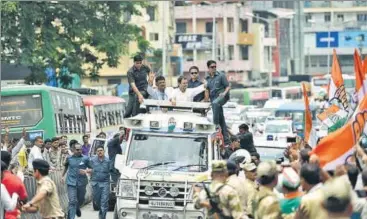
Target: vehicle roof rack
{"points": [[180, 105]]}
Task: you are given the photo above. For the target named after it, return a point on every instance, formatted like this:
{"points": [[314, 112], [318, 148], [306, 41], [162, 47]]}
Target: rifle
{"points": [[217, 211]]}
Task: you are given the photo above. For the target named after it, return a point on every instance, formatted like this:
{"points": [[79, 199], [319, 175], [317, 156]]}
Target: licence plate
{"points": [[161, 204]]}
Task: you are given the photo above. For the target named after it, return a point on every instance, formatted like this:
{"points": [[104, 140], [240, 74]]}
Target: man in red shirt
{"points": [[13, 184]]}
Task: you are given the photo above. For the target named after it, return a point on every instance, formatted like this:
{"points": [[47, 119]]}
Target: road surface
{"points": [[89, 213]]}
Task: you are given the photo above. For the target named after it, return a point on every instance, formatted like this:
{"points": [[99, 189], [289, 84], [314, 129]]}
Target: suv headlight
{"points": [[127, 189]]}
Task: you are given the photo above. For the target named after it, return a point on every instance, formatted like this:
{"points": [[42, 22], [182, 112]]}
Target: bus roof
{"points": [[100, 100], [20, 88], [295, 106]]}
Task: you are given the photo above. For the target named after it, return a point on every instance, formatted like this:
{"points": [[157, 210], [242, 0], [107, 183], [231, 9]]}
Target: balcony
{"points": [[230, 65]]}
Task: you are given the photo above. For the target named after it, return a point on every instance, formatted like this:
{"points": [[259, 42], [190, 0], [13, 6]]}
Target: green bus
{"points": [[43, 111], [251, 96]]}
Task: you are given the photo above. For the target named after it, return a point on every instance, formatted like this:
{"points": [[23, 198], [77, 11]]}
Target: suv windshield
{"points": [[181, 153]]}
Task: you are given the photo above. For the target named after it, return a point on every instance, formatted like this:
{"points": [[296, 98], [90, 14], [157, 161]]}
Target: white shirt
{"points": [[34, 154], [7, 203], [189, 94]]}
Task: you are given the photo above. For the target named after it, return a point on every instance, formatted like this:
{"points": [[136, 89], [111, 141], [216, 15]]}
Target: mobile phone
{"points": [[291, 139]]}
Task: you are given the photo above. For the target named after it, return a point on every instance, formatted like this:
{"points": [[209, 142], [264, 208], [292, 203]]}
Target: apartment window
{"points": [[327, 17], [361, 17], [180, 27], [230, 52], [151, 13], [340, 17], [153, 37], [244, 52], [209, 27], [244, 25], [230, 25], [308, 17]]}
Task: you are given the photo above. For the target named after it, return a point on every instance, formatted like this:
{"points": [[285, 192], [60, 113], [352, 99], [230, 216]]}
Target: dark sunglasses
{"points": [[194, 73], [213, 66]]}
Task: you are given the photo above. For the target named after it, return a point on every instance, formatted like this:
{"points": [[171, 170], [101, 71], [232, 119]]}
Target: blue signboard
{"points": [[323, 38], [352, 39]]}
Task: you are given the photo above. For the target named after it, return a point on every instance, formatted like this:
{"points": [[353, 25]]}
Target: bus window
{"points": [[276, 93], [20, 111]]}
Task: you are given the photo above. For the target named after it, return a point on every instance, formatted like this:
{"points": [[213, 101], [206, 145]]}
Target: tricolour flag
{"points": [[337, 146], [336, 88], [331, 115], [361, 86], [309, 132]]}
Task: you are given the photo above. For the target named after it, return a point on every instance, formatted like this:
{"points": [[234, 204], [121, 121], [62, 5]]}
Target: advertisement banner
{"points": [[192, 41], [353, 39]]}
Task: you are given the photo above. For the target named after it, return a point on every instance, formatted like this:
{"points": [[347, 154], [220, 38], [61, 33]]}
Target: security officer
{"points": [[100, 181], [266, 203], [46, 200], [235, 182], [76, 180], [221, 199], [138, 84], [251, 187], [337, 199]]}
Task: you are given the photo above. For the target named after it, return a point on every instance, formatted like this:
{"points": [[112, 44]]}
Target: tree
{"points": [[67, 34]]}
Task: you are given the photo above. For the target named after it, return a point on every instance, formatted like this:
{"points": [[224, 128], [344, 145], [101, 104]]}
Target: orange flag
{"points": [[360, 77], [337, 146], [309, 134]]}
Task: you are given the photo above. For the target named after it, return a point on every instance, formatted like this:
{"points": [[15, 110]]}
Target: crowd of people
{"points": [[76, 163], [300, 189]]}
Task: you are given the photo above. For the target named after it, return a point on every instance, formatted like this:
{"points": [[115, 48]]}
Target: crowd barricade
{"points": [[31, 185]]}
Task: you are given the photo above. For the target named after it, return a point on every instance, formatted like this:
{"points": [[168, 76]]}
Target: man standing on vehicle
{"points": [[76, 180], [185, 94], [161, 93], [218, 91], [194, 82], [224, 200], [100, 181], [137, 78]]}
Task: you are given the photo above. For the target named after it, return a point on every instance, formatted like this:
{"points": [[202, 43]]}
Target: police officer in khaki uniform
{"points": [[46, 200], [266, 203], [235, 182], [251, 186], [224, 196], [337, 199]]}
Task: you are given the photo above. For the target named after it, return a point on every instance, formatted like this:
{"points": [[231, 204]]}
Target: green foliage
{"points": [[63, 34]]}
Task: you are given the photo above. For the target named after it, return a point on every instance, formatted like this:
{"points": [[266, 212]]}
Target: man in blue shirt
{"points": [[100, 181], [194, 82], [218, 92], [160, 93], [76, 180]]}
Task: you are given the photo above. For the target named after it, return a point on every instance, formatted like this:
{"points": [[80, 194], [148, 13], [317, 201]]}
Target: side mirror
{"points": [[120, 162]]}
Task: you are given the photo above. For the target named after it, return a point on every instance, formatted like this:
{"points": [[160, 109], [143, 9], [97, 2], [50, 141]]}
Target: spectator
{"points": [[255, 158], [246, 138], [226, 152], [292, 195], [8, 203], [35, 152], [54, 153], [86, 146], [64, 153], [13, 184], [194, 82]]}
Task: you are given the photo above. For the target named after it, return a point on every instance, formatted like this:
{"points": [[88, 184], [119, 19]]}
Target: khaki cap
{"points": [[267, 168], [219, 166], [338, 188], [248, 167]]}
